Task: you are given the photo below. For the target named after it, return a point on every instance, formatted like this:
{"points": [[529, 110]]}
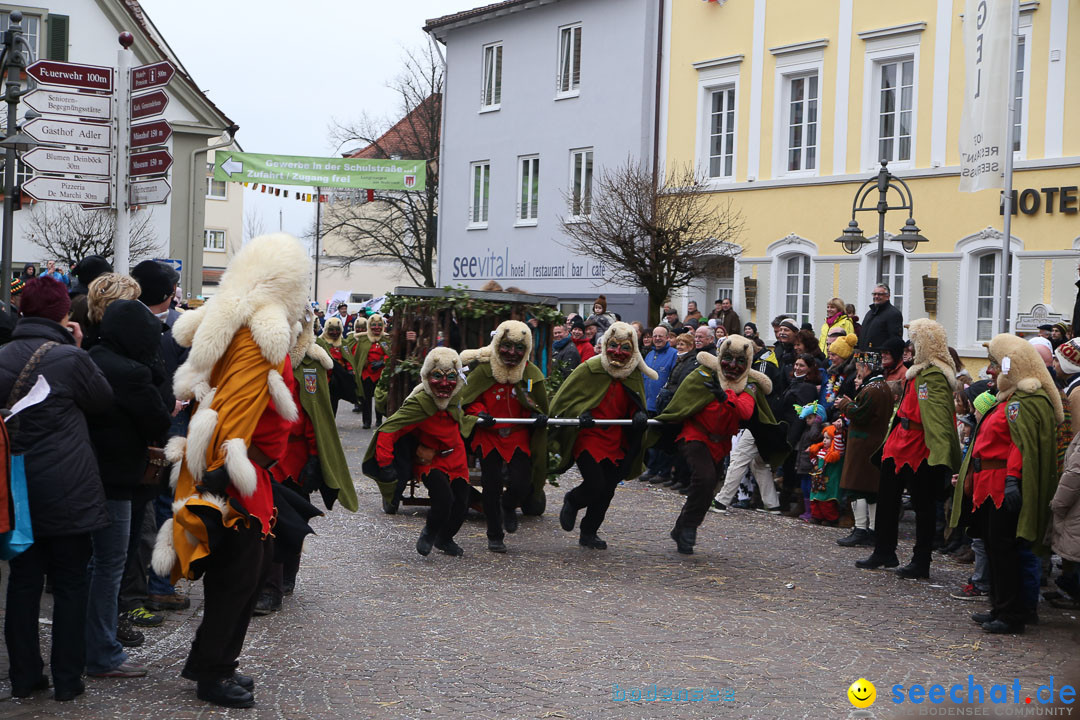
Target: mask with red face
{"points": [[442, 383], [619, 352], [511, 353], [732, 365]]}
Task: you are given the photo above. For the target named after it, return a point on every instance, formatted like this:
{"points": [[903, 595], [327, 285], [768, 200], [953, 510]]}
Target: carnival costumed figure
{"points": [[342, 382], [921, 452], [423, 439], [224, 510], [370, 353], [1009, 476], [608, 386], [501, 382]]}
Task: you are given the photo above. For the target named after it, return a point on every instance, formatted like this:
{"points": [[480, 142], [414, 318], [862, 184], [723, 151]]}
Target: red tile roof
{"points": [[409, 138], [474, 13]]}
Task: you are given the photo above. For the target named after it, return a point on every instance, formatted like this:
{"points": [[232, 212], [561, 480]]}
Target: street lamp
{"points": [[852, 238]]}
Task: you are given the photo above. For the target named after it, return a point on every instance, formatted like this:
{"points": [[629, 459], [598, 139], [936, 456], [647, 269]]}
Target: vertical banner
{"points": [[984, 133]]}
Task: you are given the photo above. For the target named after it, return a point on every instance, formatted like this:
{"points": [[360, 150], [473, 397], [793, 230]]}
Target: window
{"points": [[478, 208], [892, 274], [722, 133], [215, 189], [802, 122], [31, 25], [797, 292], [896, 93], [214, 240], [581, 171], [569, 61], [1020, 91], [529, 182], [986, 296], [22, 174], [492, 79]]}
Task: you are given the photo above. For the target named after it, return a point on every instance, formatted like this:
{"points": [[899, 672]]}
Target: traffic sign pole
{"points": [[122, 238]]}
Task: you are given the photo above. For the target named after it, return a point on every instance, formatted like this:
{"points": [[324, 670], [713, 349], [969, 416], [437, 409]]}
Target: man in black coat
{"points": [[881, 322], [67, 502]]}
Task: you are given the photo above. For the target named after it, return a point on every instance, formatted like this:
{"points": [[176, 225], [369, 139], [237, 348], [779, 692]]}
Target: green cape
{"points": [[480, 378], [938, 411], [346, 346], [691, 398], [581, 391], [360, 350], [1033, 431], [418, 407], [335, 468]]}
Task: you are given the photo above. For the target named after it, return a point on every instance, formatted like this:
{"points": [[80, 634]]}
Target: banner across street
{"points": [[321, 171]]}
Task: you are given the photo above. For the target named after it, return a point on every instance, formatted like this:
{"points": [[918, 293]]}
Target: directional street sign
{"points": [[154, 162], [148, 105], [66, 132], [151, 133], [87, 77], [91, 192], [56, 102], [321, 171], [155, 75], [69, 162], [149, 192]]}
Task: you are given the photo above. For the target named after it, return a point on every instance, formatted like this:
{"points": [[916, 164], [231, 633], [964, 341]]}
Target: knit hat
{"points": [[750, 325], [90, 267], [984, 402], [602, 302], [157, 280], [45, 298], [577, 322], [17, 286], [788, 322], [1068, 355], [845, 346], [894, 346]]}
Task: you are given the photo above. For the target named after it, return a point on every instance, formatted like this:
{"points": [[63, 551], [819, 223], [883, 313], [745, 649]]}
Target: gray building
{"points": [[540, 96]]}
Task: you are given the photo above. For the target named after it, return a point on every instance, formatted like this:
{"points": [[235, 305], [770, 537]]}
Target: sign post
{"points": [[122, 237]]}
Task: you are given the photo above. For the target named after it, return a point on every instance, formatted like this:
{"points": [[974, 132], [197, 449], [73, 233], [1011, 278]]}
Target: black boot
{"points": [[423, 543], [855, 539], [450, 547], [876, 561], [568, 514], [225, 692], [590, 540], [684, 538], [496, 546], [390, 507], [510, 520], [918, 568], [267, 603]]}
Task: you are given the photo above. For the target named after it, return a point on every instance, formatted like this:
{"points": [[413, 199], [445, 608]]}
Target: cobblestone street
{"points": [[768, 608]]}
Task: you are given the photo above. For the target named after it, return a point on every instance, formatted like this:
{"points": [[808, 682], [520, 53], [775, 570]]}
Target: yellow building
{"points": [[789, 105]]}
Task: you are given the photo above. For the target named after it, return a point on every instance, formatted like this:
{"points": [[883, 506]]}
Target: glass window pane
{"points": [[888, 76], [908, 72], [905, 149], [812, 92], [796, 90]]}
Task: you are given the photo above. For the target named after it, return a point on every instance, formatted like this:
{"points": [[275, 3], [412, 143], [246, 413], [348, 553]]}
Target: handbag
{"points": [[156, 466], [21, 537]]}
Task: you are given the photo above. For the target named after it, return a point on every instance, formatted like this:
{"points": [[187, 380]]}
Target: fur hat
{"points": [[46, 298], [1068, 355], [512, 330], [618, 332], [374, 318], [444, 359], [359, 326], [333, 321], [602, 302], [844, 346], [306, 346], [740, 346], [931, 348], [1022, 369]]}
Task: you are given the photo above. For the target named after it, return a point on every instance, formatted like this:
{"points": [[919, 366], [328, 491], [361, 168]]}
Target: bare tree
{"points": [[394, 226], [67, 233], [254, 224], [659, 236]]}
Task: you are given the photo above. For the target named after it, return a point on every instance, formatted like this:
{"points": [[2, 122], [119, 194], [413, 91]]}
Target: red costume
{"points": [[607, 442], [907, 445], [997, 455], [441, 433], [375, 354], [716, 424], [500, 400]]}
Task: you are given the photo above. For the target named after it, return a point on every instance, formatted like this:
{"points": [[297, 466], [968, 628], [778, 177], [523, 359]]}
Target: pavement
{"points": [[769, 618]]}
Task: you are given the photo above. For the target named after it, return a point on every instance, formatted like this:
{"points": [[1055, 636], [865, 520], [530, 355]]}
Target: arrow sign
{"points": [[73, 162], [149, 192], [150, 163], [151, 133], [87, 77], [231, 166], [65, 132], [91, 192], [148, 105], [155, 75], [97, 107], [328, 172]]}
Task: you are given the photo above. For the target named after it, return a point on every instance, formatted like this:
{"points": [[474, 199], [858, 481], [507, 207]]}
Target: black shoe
{"points": [[42, 683], [268, 602], [719, 507], [126, 634], [684, 539], [914, 569], [591, 541], [356, 409], [659, 479], [646, 476], [683, 489], [1000, 627], [366, 426], [68, 694], [245, 681], [289, 586], [423, 543], [225, 692], [743, 505], [496, 546], [670, 483], [510, 520], [875, 561], [390, 507], [982, 617], [450, 547], [568, 514], [855, 539]]}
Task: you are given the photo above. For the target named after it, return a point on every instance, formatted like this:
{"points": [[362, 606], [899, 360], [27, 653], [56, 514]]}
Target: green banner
{"points": [[320, 171]]}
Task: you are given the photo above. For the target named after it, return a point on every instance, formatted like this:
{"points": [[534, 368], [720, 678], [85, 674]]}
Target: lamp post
{"points": [[852, 238]]}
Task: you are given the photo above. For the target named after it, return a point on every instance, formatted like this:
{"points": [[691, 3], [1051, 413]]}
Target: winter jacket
{"points": [[842, 321], [1065, 506], [662, 362], [765, 363], [880, 323], [603, 322], [798, 392], [129, 344], [584, 348], [565, 355], [683, 366], [66, 496]]}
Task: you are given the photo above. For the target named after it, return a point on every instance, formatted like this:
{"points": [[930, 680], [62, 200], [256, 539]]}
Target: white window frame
{"points": [[808, 265], [588, 174], [995, 296], [716, 76], [211, 247], [971, 248], [868, 276], [479, 222], [1022, 120], [788, 67], [526, 209], [491, 85], [881, 51], [571, 90], [210, 181], [35, 43]]}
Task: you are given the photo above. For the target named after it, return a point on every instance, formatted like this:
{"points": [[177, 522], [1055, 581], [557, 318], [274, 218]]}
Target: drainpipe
{"points": [[656, 94], [189, 251]]}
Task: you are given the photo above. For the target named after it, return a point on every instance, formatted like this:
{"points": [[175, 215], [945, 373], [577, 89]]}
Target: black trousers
{"points": [[705, 475], [598, 483], [449, 503], [923, 486], [998, 527], [517, 482], [65, 560], [231, 586], [367, 401]]}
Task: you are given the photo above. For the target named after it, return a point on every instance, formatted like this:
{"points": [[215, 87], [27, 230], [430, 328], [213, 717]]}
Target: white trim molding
{"points": [[718, 62], [1055, 78], [714, 77], [894, 47], [939, 107], [914, 27], [970, 248], [799, 47], [757, 70]]}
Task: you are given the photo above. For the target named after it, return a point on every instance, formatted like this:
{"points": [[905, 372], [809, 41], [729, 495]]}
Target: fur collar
{"points": [[367, 330], [620, 331], [1026, 371], [306, 347], [444, 359], [517, 332], [334, 321], [931, 348], [712, 362]]}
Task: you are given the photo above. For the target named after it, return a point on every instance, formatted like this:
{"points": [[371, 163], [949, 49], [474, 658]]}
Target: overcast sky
{"points": [[284, 70]]}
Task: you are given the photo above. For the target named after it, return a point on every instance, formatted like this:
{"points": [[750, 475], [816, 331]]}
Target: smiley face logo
{"points": [[862, 693]]}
